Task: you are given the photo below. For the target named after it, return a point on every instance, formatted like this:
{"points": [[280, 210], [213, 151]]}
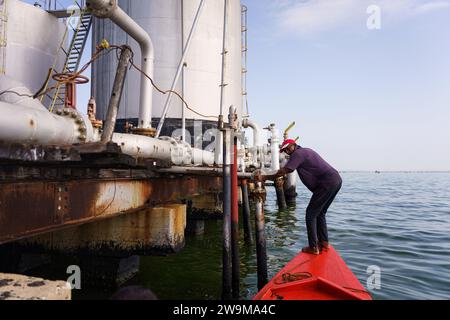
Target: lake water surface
{"points": [[399, 222]]}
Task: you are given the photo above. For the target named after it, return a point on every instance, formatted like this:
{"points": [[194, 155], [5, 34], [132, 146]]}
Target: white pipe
{"points": [[180, 68], [224, 61], [29, 125], [202, 171], [291, 181], [162, 149], [218, 149], [143, 147], [247, 123], [275, 147], [25, 120], [110, 9], [183, 112]]}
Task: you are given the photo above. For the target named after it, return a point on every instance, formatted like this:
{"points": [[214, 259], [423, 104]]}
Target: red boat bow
{"points": [[315, 277]]}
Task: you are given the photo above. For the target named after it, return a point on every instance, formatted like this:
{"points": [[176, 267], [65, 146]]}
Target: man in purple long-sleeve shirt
{"points": [[322, 180]]}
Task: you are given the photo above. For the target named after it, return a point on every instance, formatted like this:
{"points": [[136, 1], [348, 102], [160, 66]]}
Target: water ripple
{"points": [[397, 221]]}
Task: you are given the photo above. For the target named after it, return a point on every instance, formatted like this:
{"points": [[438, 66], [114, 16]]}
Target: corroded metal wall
{"points": [[63, 197]]}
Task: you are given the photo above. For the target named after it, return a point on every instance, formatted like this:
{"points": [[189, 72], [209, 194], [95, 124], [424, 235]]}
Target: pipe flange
{"points": [[148, 132], [279, 182], [259, 193], [101, 8], [78, 120], [97, 123]]}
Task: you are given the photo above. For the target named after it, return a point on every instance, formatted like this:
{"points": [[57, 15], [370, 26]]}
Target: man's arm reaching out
{"points": [[279, 173]]}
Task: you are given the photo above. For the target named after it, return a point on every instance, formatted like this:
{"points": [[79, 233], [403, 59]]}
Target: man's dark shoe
{"points": [[324, 245], [311, 250]]}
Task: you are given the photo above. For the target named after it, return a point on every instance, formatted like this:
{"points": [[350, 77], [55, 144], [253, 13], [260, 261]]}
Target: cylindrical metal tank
{"points": [[168, 23], [30, 40]]}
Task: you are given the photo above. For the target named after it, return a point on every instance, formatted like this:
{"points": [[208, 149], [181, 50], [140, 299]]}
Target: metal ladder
{"points": [[244, 46], [73, 55], [3, 35]]}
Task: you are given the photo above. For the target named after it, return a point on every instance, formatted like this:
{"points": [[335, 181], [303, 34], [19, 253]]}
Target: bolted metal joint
{"points": [[279, 182], [148, 132], [233, 118], [77, 119], [259, 193]]}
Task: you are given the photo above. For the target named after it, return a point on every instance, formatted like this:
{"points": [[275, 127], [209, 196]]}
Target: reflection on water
{"points": [[397, 221]]}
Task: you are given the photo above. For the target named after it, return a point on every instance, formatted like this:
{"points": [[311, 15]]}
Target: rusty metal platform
{"points": [[36, 199]]}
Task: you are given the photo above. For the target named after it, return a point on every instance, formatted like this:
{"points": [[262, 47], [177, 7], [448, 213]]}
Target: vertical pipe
{"points": [[183, 114], [224, 52], [116, 95], [246, 213], [110, 9], [279, 189], [290, 188], [219, 142], [180, 67], [275, 154], [183, 80], [235, 220], [261, 254], [226, 255]]}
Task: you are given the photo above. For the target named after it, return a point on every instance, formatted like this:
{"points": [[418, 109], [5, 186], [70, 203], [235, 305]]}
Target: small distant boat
{"points": [[377, 171], [311, 277]]}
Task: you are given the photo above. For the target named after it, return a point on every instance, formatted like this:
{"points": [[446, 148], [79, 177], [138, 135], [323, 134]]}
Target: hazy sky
{"points": [[364, 99]]}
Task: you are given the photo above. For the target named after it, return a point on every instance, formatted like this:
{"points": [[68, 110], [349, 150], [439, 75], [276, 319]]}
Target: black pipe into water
{"points": [[279, 188], [235, 221], [261, 250], [226, 255], [248, 237]]}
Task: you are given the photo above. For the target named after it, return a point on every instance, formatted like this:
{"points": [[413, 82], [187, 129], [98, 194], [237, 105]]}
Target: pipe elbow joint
{"points": [[102, 8]]}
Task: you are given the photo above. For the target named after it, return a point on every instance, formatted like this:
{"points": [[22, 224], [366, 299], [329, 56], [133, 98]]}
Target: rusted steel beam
{"points": [[33, 207]]}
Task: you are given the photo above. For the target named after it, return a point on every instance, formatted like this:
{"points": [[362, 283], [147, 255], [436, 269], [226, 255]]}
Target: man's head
{"points": [[288, 146]]}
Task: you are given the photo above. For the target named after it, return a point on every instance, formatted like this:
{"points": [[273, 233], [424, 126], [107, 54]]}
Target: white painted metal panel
{"points": [[33, 40], [168, 22]]}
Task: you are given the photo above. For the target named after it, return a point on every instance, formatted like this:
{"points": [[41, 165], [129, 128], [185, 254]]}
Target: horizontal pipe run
{"points": [[201, 171], [27, 125]]}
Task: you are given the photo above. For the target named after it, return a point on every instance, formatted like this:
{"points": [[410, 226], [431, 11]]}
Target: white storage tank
{"points": [[168, 23], [30, 39]]}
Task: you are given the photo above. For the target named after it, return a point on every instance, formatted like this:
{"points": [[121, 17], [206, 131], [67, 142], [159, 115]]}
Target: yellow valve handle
{"points": [[289, 128], [104, 44]]}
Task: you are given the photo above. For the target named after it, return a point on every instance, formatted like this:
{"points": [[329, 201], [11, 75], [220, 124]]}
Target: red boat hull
{"points": [[315, 277]]}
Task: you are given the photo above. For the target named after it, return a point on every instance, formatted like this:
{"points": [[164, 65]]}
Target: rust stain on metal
{"points": [[34, 207]]}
